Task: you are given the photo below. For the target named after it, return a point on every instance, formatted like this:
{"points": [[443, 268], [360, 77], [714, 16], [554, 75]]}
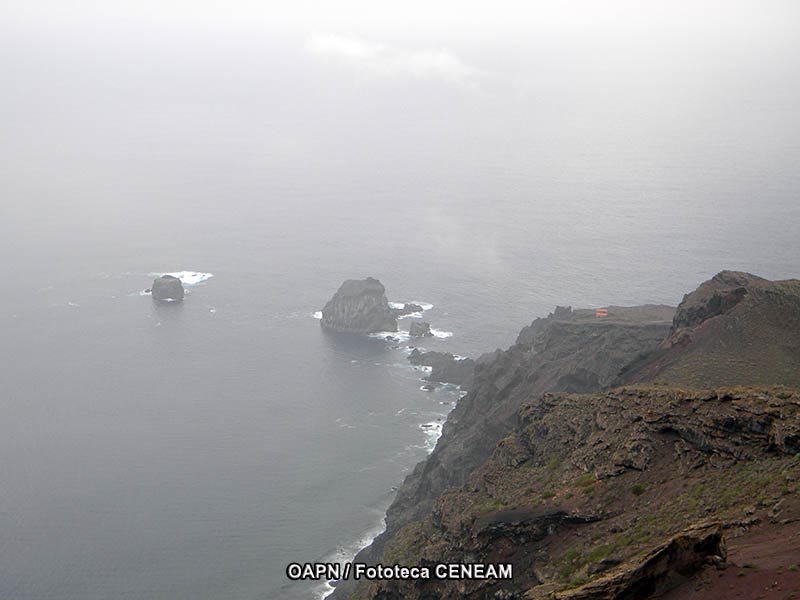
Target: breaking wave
{"points": [[187, 277]]}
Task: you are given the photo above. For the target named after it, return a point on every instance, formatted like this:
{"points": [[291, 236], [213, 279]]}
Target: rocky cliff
{"points": [[616, 495], [359, 306], [569, 350], [735, 329], [445, 367], [627, 493]]}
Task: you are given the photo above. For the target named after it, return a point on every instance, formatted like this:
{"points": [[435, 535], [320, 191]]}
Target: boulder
{"points": [[409, 308], [445, 367], [419, 329], [167, 288], [359, 306]]}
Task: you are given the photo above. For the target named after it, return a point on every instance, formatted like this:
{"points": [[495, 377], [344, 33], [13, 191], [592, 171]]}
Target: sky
{"points": [[91, 85], [453, 17]]}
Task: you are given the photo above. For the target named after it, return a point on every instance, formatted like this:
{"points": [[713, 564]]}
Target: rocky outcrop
{"points": [[445, 367], [359, 306], [590, 495], [715, 297], [409, 308], [167, 288], [735, 329], [574, 352], [679, 557], [419, 329], [569, 350]]}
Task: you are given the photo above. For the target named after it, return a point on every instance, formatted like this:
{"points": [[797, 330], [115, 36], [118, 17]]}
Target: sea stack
{"points": [[359, 306], [419, 329], [409, 308], [168, 288]]}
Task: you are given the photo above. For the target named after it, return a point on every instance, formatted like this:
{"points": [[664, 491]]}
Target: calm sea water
{"points": [[192, 451]]}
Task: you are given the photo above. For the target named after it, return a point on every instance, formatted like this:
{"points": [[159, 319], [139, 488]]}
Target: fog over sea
{"points": [[191, 451]]}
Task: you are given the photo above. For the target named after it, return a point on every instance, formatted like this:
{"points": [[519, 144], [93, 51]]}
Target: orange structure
{"points": [[601, 312]]}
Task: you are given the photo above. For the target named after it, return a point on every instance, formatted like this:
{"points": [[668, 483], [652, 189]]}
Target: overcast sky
{"points": [[103, 94], [468, 15]]}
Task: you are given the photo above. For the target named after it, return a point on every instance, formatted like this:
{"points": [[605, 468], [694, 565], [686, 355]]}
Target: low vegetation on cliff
{"points": [[616, 456]]}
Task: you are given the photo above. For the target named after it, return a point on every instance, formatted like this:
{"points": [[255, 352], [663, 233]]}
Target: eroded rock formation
{"points": [[409, 308], [167, 288], [419, 329], [735, 329], [445, 367], [359, 306]]}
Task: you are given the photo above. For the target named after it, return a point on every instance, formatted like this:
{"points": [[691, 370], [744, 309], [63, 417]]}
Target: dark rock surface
{"points": [[574, 353], [445, 367], [359, 306], [167, 288], [419, 329], [409, 308], [735, 329], [715, 297]]}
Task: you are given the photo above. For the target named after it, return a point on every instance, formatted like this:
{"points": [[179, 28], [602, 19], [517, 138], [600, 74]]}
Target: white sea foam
{"points": [[433, 431], [187, 277], [441, 334], [424, 305], [416, 315], [317, 315], [400, 336], [346, 553]]}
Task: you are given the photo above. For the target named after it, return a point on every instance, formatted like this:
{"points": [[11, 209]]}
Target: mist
{"points": [[493, 161]]}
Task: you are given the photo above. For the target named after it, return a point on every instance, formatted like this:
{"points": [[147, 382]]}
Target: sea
{"points": [[193, 450]]}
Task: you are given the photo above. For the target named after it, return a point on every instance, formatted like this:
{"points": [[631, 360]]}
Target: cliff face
{"points": [[623, 494], [735, 329], [590, 496], [568, 350], [445, 367], [359, 306]]}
